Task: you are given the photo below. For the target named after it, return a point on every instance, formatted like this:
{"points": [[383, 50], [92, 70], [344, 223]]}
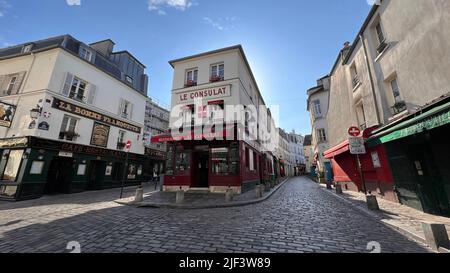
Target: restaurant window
{"points": [[247, 158], [117, 171], [219, 159], [234, 158], [78, 89], [12, 165], [183, 162], [188, 115], [68, 126], [216, 109], [255, 162]]}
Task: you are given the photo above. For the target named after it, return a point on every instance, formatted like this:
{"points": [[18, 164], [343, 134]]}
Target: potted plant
{"points": [[216, 78], [190, 83], [70, 135]]}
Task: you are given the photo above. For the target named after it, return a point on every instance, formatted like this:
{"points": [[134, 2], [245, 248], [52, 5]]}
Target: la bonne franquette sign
{"points": [[209, 93]]}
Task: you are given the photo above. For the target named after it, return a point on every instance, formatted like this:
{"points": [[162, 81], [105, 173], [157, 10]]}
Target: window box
{"points": [[216, 78], [190, 83], [69, 135], [399, 107]]}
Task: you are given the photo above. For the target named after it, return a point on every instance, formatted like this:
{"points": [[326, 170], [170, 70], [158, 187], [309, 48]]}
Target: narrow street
{"points": [[299, 218]]}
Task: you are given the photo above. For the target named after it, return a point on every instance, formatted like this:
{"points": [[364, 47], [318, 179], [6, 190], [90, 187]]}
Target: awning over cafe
{"points": [[436, 117], [337, 150]]}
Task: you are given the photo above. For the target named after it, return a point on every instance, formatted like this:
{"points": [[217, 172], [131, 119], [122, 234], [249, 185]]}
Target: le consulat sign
{"points": [[80, 111], [208, 93]]}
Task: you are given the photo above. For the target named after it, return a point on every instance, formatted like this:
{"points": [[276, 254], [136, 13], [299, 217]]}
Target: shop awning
{"points": [[337, 150], [436, 117]]}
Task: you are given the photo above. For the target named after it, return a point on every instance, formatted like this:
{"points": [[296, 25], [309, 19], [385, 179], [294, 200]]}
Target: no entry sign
{"points": [[354, 131], [128, 145]]}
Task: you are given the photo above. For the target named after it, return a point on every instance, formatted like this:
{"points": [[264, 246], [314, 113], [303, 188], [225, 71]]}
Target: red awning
{"points": [[337, 150]]}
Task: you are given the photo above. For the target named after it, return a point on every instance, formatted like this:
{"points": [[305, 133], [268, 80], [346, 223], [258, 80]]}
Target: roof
{"points": [[230, 48], [131, 55]]}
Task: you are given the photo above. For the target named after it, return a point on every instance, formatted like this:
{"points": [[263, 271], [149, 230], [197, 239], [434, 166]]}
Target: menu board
{"points": [[100, 134]]}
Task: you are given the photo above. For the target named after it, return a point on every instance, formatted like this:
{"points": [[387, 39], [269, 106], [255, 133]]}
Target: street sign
{"points": [[356, 145], [128, 146], [354, 131]]}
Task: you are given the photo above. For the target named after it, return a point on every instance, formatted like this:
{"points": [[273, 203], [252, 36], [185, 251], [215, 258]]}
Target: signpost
{"points": [[127, 149], [357, 147]]}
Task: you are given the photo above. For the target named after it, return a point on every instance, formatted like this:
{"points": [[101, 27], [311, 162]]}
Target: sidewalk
{"points": [[161, 199], [402, 218]]}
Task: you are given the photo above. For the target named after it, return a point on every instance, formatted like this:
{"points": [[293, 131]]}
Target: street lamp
{"points": [[35, 112]]}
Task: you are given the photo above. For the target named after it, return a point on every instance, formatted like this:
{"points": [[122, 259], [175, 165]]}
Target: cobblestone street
{"points": [[299, 217]]}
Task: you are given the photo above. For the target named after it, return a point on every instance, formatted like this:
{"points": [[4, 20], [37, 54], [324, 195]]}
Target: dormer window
{"points": [[85, 54], [129, 79], [27, 48]]}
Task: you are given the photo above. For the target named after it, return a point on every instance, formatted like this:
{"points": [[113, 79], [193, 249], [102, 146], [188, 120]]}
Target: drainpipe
{"points": [[372, 84]]}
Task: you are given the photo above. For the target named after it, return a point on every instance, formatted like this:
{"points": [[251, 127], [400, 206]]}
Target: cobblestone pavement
{"points": [[299, 217]]}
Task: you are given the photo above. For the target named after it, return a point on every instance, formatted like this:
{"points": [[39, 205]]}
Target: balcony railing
{"points": [[68, 135]]}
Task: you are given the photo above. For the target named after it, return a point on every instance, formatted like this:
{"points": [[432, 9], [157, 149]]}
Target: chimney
{"points": [[104, 47]]}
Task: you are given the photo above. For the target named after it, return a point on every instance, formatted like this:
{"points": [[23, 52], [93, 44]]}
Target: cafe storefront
{"points": [[419, 155], [31, 167]]}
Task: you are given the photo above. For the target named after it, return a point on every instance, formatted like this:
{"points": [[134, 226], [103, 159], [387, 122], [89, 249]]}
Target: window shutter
{"points": [[121, 105], [67, 84], [91, 93], [130, 116], [18, 83]]}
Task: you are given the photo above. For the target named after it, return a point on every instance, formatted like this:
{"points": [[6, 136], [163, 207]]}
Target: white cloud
{"points": [[4, 5], [73, 2], [221, 23], [161, 5]]}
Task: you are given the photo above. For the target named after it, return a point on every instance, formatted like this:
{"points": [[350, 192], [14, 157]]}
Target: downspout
{"points": [[372, 84]]}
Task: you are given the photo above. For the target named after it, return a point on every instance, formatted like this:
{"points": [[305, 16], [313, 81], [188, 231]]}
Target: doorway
{"points": [[96, 174], [201, 169], [59, 176]]}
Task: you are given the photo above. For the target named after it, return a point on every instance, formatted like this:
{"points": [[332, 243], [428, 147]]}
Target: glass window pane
{"points": [[219, 159], [13, 164]]}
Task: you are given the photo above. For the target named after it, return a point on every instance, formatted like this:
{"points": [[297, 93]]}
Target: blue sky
{"points": [[289, 43]]}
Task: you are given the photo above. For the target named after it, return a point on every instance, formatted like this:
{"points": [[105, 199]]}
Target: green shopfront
{"points": [[418, 149], [31, 167]]}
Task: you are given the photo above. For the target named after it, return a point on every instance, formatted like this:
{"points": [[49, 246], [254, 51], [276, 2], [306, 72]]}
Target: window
{"points": [[255, 162], [354, 75], [187, 115], [219, 159], [11, 85], [85, 54], [78, 89], [27, 48], [360, 114], [395, 90], [216, 110], [317, 109], [68, 127], [191, 77], [246, 120], [380, 33], [217, 72], [129, 79], [247, 158], [126, 109], [321, 136], [121, 140], [12, 166], [182, 163]]}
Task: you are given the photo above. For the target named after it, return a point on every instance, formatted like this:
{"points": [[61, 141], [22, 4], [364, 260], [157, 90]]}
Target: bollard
{"points": [[338, 188], [229, 195], [180, 196], [139, 197], [436, 235], [372, 202], [258, 191]]}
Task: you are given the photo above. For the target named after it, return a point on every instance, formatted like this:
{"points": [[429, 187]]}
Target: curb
{"points": [[220, 205], [373, 215]]}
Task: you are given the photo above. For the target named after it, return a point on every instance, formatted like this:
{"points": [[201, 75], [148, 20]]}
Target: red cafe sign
{"points": [[209, 93]]}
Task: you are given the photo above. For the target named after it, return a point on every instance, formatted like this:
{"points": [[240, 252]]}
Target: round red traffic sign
{"points": [[354, 131]]}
